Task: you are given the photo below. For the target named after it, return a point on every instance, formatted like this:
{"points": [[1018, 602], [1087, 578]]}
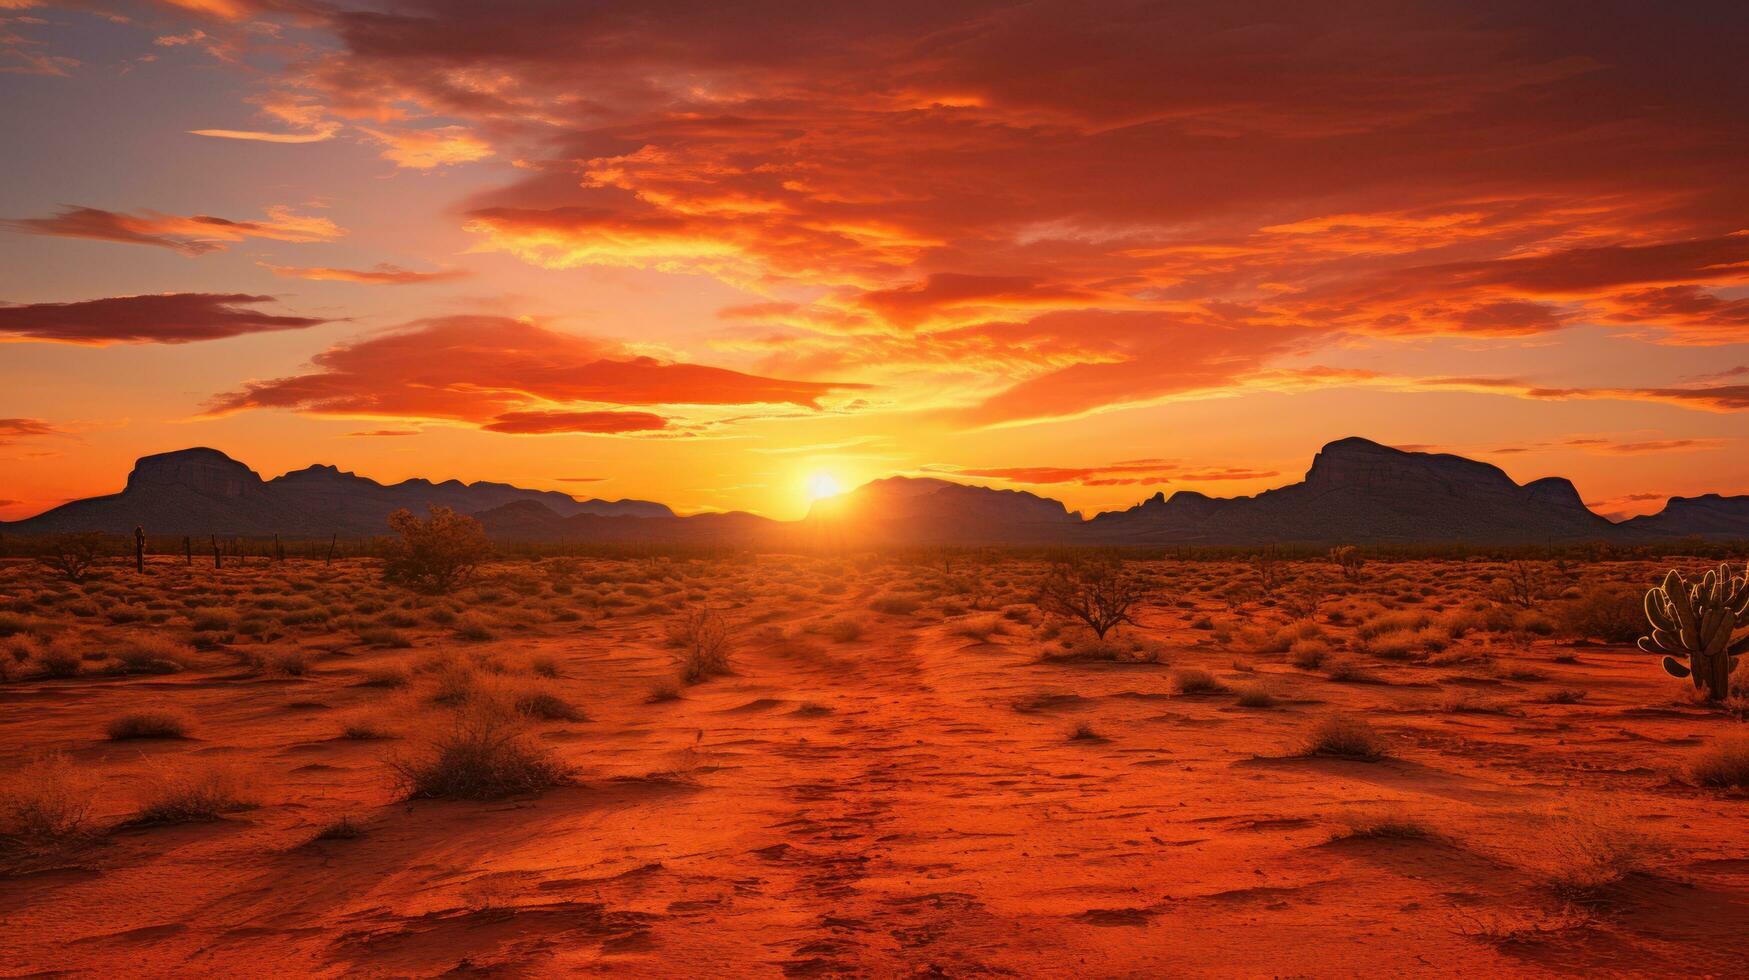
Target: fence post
{"points": [[140, 549], [187, 550], [331, 542], [217, 562]]}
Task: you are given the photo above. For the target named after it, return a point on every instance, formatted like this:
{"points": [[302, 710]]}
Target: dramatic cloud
{"points": [[12, 430], [1135, 472], [190, 235], [163, 318], [507, 375], [542, 423], [382, 274]]}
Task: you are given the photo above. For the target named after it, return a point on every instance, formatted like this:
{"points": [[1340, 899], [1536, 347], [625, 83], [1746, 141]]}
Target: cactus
{"points": [[1696, 620]]}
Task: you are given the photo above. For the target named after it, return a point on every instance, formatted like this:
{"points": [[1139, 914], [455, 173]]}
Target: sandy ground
{"points": [[907, 802]]}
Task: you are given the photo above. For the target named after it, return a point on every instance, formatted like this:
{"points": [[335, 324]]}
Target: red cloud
{"points": [[540, 423], [164, 318], [497, 372], [1082, 211], [191, 235]]}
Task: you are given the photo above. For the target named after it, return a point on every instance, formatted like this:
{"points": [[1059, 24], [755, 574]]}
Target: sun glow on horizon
{"points": [[823, 485]]}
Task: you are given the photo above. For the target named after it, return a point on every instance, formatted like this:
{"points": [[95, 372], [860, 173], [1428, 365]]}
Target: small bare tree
{"points": [[1096, 591], [436, 554], [1520, 585], [1347, 557], [72, 555], [703, 636], [1269, 572]]}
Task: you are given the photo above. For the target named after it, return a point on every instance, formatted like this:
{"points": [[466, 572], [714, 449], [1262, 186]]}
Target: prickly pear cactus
{"points": [[1696, 622]]}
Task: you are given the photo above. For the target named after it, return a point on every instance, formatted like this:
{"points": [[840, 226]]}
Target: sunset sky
{"points": [[723, 254]]}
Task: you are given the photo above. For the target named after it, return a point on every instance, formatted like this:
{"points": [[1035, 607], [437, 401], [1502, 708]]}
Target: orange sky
{"points": [[703, 252]]}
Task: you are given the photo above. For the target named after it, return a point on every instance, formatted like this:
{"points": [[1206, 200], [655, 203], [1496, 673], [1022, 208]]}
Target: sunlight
{"points": [[823, 485]]}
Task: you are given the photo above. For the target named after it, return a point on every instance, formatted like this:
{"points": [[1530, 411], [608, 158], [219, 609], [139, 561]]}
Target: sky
{"points": [[729, 256]]}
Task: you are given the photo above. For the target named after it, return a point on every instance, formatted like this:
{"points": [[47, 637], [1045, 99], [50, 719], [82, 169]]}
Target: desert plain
{"points": [[895, 765]]}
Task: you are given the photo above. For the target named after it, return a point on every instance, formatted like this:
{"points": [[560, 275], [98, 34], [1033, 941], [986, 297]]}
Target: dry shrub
{"points": [[457, 683], [149, 653], [843, 630], [544, 705], [704, 636], [484, 754], [212, 619], [45, 805], [473, 626], [1308, 654], [1089, 649], [1193, 680], [383, 636], [1256, 696], [1580, 854], [979, 628], [1347, 670], [543, 665], [1611, 613], [149, 723], [436, 554], [1391, 822], [895, 604], [344, 828], [1344, 737], [57, 658], [1725, 763], [386, 676], [181, 796]]}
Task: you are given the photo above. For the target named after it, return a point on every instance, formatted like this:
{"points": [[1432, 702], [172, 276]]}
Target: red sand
{"points": [[906, 803]]}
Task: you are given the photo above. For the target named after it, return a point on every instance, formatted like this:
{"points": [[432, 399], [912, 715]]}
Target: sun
{"points": [[823, 485]]}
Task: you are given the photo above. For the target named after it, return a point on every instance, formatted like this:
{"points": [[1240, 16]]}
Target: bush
{"points": [[1256, 696], [1097, 592], [58, 659], [1611, 613], [1344, 737], [193, 794], [45, 804], [1308, 654], [1725, 763], [484, 755], [149, 653], [703, 636], [1190, 680], [895, 605], [150, 723], [72, 555], [437, 554]]}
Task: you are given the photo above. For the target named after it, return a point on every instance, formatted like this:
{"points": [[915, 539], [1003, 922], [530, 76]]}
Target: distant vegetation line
{"points": [[263, 549]]}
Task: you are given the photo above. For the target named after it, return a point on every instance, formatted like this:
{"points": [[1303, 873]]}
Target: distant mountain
{"points": [[901, 510], [1356, 492], [202, 491], [1359, 492], [1706, 516]]}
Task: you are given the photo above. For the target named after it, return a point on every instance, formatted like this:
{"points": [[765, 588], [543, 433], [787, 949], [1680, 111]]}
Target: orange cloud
{"points": [[507, 375], [423, 149], [382, 274], [544, 423], [164, 318], [193, 235]]}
